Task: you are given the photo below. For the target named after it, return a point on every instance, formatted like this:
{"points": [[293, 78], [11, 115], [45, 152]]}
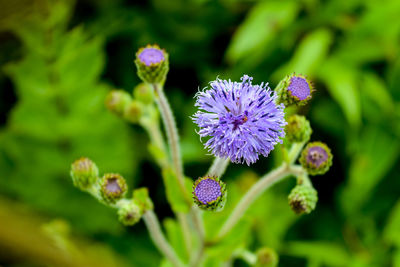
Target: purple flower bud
{"points": [[294, 89], [152, 64], [209, 193], [112, 187], [316, 158], [151, 55], [241, 119]]}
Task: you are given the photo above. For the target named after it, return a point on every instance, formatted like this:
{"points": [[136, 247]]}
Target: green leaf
{"points": [[174, 194], [175, 237], [391, 232], [341, 82], [327, 253], [377, 153], [309, 55], [260, 27]]}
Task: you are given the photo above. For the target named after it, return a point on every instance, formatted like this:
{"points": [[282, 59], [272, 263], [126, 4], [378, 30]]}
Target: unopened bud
{"points": [[294, 89], [129, 212], [117, 101], [112, 187], [303, 199], [209, 193], [84, 173], [152, 64], [267, 257], [133, 111], [298, 129], [316, 158], [144, 93]]}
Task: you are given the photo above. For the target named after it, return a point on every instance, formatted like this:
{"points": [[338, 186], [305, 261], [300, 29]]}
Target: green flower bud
{"points": [[112, 187], [84, 173], [303, 199], [298, 129], [152, 64], [209, 193], [316, 158], [141, 196], [294, 89], [144, 93], [117, 101], [133, 111], [267, 257], [129, 212]]}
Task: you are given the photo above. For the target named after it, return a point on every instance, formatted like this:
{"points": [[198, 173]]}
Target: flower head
{"points": [[152, 64], [241, 119], [209, 193], [316, 158], [294, 89]]}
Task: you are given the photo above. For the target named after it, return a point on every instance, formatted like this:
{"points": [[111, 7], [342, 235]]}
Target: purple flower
{"points": [[300, 88], [241, 119], [209, 193], [151, 55]]}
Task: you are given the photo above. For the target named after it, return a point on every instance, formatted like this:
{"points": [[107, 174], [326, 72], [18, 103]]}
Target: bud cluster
{"points": [[303, 199]]}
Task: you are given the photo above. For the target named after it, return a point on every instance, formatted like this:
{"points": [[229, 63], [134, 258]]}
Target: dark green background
{"points": [[60, 58]]}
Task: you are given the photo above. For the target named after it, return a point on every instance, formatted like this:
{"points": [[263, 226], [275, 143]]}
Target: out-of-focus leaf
{"points": [[323, 109], [308, 56], [174, 194], [377, 153], [391, 232], [374, 88], [326, 253], [260, 27], [175, 237], [341, 81]]}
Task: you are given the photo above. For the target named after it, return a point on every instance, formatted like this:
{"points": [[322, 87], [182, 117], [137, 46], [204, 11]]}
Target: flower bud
{"points": [[209, 193], [303, 199], [133, 111], [266, 257], [144, 93], [117, 101], [141, 196], [294, 89], [316, 158], [84, 173], [152, 64], [298, 129], [112, 187], [129, 212]]}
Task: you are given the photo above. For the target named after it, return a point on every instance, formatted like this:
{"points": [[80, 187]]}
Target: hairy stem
{"points": [[153, 226], [294, 152], [183, 221], [173, 138], [254, 192], [218, 167]]}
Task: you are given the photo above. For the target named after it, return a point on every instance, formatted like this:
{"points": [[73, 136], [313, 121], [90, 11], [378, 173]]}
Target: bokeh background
{"points": [[60, 58]]}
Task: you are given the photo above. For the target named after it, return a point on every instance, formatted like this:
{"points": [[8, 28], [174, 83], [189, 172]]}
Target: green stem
{"points": [[218, 167], [173, 138], [254, 192], [294, 152], [183, 221], [153, 226]]}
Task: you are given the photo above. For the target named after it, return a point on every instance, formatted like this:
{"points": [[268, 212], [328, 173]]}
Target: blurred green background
{"points": [[60, 58]]}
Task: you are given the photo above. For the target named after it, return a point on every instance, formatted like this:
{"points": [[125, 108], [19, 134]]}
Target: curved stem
{"points": [[218, 167], [254, 192], [173, 138], [294, 152], [152, 224]]}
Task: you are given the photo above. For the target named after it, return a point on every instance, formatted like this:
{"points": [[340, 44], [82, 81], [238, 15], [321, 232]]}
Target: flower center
{"points": [[317, 155], [299, 88], [208, 190], [151, 55], [239, 120]]}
